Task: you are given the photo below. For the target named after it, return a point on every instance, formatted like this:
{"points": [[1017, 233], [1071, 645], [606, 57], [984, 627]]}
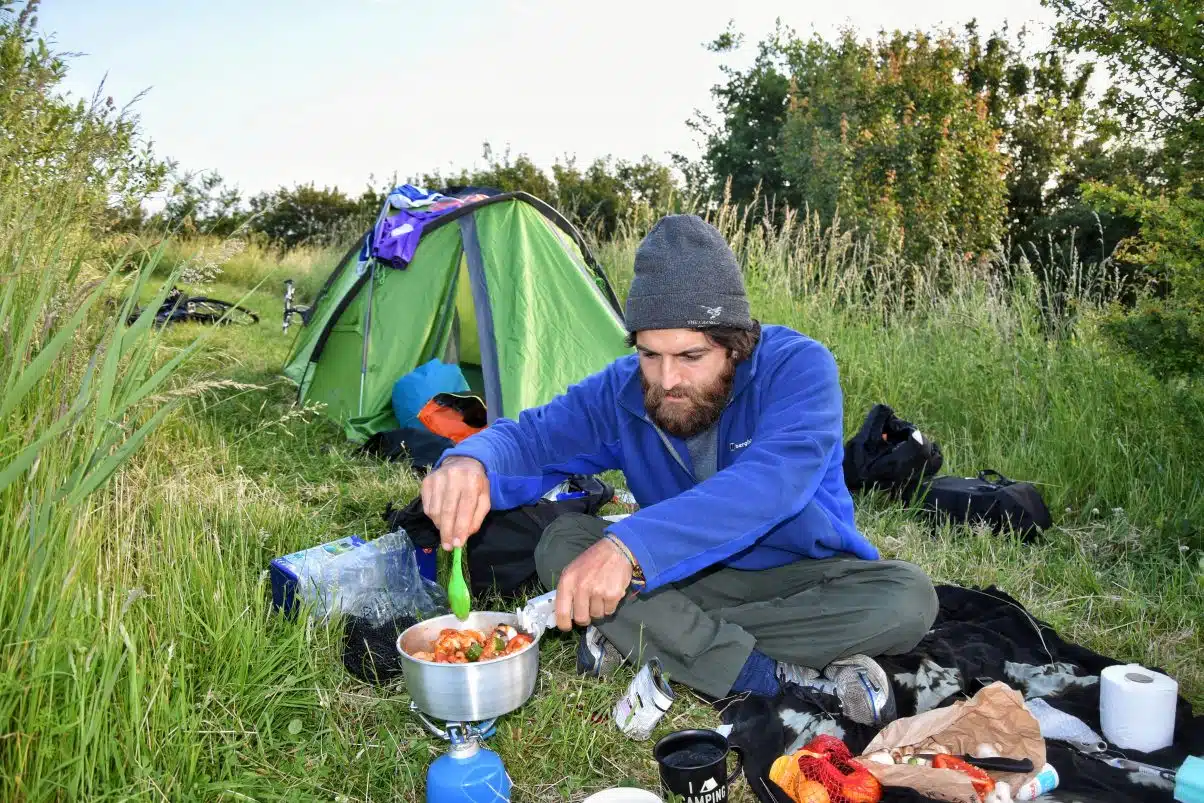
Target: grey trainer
{"points": [[596, 656], [861, 685], [864, 689]]}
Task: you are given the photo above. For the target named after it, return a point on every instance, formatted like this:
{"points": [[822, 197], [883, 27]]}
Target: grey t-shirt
{"points": [[704, 452]]}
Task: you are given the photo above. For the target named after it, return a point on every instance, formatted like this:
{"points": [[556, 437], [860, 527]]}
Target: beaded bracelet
{"points": [[637, 574]]}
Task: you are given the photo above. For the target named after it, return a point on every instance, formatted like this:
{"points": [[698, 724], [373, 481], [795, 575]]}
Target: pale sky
{"points": [[270, 93]]}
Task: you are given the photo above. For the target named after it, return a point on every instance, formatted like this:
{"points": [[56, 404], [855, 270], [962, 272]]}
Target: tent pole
{"points": [[367, 334], [384, 210]]}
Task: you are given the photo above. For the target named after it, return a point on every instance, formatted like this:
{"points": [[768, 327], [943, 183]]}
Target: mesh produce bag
{"points": [[824, 772]]}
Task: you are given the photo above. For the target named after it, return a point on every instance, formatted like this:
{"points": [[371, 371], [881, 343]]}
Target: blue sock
{"points": [[758, 676]]}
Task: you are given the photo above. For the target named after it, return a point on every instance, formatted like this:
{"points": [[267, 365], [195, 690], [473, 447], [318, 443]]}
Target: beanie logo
{"points": [[713, 312]]}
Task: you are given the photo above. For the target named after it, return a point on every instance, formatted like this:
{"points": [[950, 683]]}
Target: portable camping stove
{"points": [[457, 733], [468, 772]]}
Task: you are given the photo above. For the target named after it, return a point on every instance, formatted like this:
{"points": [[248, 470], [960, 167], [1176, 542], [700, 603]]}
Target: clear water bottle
{"points": [[467, 773]]}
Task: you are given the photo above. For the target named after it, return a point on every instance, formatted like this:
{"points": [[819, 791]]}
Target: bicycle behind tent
{"points": [[180, 308]]}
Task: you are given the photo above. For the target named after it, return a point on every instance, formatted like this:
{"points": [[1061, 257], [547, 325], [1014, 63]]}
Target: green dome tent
{"points": [[501, 285]]}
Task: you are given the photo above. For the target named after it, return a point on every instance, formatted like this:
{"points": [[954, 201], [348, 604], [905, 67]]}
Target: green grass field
{"points": [[142, 661]]}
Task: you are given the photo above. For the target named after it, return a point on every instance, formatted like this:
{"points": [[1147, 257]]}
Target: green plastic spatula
{"points": [[457, 589]]}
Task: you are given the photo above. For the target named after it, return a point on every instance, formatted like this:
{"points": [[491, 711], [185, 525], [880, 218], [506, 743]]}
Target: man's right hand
{"points": [[455, 497]]}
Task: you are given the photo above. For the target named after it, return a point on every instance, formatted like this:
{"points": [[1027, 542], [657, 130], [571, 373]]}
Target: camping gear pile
{"points": [[893, 456], [990, 682], [436, 409]]}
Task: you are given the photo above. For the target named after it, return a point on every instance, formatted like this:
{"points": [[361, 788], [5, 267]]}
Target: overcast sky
{"points": [[270, 93]]}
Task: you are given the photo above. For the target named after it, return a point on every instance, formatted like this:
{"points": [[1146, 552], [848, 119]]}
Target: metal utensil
{"points": [[1100, 752], [457, 589]]}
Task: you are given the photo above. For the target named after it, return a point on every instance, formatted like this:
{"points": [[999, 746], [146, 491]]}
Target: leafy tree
{"points": [[203, 204], [88, 151], [1069, 226], [743, 148], [848, 124], [888, 134], [305, 214], [519, 174], [1154, 49], [1042, 112], [605, 195], [600, 198]]}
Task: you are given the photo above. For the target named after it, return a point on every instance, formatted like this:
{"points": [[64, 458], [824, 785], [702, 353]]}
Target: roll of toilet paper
{"points": [[1137, 707]]}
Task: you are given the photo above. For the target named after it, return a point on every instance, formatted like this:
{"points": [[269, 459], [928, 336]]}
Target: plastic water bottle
{"points": [[467, 773]]}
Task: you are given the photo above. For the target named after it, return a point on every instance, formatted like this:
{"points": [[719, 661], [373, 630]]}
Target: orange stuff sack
{"points": [[453, 416]]}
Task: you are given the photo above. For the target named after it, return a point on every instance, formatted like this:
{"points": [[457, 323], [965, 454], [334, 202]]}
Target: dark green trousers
{"points": [[810, 612]]}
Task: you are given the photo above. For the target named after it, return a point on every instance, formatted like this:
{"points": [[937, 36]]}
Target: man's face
{"points": [[687, 379]]}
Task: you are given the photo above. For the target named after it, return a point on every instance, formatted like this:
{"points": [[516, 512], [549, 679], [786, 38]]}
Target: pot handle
{"points": [[739, 751]]}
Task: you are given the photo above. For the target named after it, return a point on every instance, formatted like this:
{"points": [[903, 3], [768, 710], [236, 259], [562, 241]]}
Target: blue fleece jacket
{"points": [[778, 494]]}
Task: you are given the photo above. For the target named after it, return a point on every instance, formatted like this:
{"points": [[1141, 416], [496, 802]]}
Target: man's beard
{"points": [[703, 410]]}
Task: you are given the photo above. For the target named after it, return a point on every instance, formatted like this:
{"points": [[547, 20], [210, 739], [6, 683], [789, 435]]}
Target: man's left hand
{"points": [[592, 586]]}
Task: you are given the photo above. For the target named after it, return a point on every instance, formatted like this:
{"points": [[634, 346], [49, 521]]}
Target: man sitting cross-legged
{"points": [[743, 567]]}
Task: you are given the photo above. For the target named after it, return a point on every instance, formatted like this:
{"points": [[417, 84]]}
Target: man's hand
{"points": [[455, 497], [592, 586]]}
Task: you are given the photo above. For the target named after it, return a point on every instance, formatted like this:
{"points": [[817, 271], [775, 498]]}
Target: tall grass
{"points": [[83, 389]]}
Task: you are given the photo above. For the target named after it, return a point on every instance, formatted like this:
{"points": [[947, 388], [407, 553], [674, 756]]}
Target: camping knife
{"points": [[991, 763]]}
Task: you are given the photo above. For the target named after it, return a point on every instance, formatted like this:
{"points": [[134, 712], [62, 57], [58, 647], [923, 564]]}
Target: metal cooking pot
{"points": [[472, 692]]}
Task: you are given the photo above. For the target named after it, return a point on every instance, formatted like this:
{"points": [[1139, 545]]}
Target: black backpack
{"points": [[501, 555], [991, 498], [889, 454]]}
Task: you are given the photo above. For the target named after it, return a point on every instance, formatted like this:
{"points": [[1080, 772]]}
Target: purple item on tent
{"points": [[396, 238]]}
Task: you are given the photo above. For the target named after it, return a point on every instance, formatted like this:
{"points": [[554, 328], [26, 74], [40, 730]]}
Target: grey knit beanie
{"points": [[686, 277]]}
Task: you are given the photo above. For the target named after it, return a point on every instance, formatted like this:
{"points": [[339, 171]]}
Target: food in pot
{"points": [[472, 646]]}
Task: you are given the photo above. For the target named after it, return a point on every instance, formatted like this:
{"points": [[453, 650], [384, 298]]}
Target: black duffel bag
{"points": [[501, 556], [989, 498], [889, 454]]}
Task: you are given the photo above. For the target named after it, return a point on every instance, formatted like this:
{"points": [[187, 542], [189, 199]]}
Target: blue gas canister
{"points": [[467, 773]]}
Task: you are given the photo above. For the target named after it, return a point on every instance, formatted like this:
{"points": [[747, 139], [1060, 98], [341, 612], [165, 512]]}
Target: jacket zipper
{"points": [[672, 451]]}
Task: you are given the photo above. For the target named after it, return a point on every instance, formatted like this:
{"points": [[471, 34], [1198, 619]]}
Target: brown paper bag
{"points": [[995, 716]]}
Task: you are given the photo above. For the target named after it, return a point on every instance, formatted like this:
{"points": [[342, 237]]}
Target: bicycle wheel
{"points": [[212, 310]]}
